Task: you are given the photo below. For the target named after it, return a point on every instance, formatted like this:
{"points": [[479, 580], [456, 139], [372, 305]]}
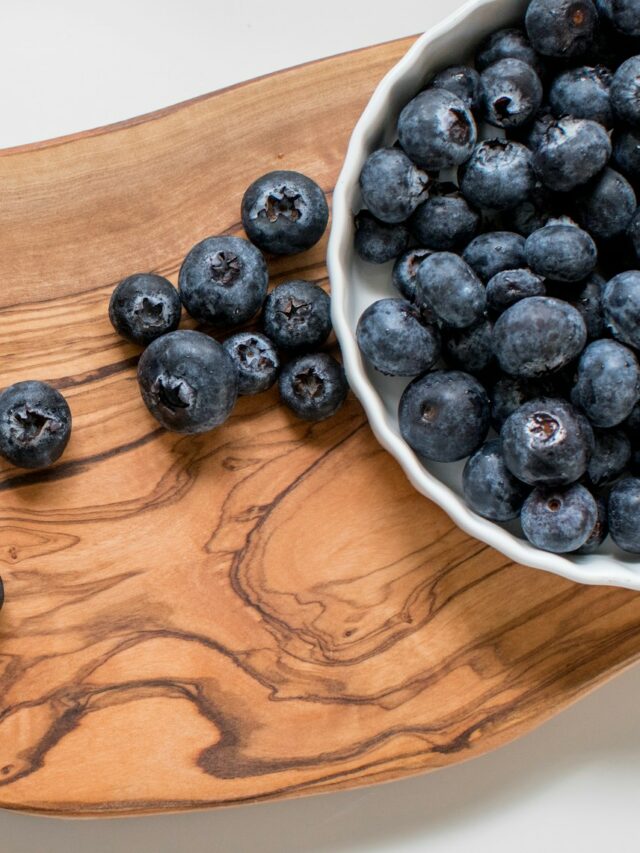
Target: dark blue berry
{"points": [[561, 252], [608, 383], [223, 281], [447, 285], [313, 386], [571, 152], [297, 315], [493, 252], [605, 207], [378, 242], [469, 349], [589, 304], [498, 176], [509, 394], [508, 43], [405, 271], [610, 457], [583, 93], [489, 488], [536, 211], [284, 212], [624, 512], [533, 134], [546, 442], [463, 81], [437, 130], [444, 222], [561, 28], [391, 185], [559, 520], [625, 92], [143, 307], [632, 425], [510, 286], [621, 306], [624, 15], [35, 424], [537, 336], [255, 359], [626, 153], [444, 415], [394, 340], [187, 381], [600, 529], [511, 93]]}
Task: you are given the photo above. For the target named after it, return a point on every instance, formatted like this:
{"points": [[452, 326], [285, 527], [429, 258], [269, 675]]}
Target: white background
{"points": [[570, 786]]}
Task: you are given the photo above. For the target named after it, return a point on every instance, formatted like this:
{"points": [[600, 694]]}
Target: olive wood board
{"points": [[268, 610]]}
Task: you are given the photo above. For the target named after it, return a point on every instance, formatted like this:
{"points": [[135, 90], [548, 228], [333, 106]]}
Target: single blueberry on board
{"points": [[143, 307], [405, 271], [391, 185], [583, 93], [606, 205], [313, 386], [35, 424], [624, 512], [255, 359], [561, 252], [437, 130], [463, 81], [610, 457], [378, 242], [489, 488], [570, 152], [447, 285], [608, 383], [510, 286], [469, 349], [559, 520], [499, 175], [511, 93], [561, 28], [297, 315], [625, 92], [495, 251], [445, 222], [393, 338], [621, 306]]}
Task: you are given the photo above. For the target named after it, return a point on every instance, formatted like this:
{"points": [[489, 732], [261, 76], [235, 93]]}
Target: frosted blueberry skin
{"points": [[559, 520], [405, 271], [561, 28], [600, 529], [489, 488], [583, 93], [605, 206], [437, 130], [610, 457], [623, 15], [284, 212], [561, 252], [589, 303], [537, 336], [505, 44], [393, 339], [570, 152], [255, 359], [546, 442], [297, 315], [378, 242], [621, 306], [495, 251], [444, 415], [625, 92], [445, 222], [626, 153], [448, 286], [187, 381], [511, 93], [463, 81], [223, 281], [143, 307], [35, 424], [624, 512], [313, 386], [509, 394], [608, 383], [498, 176], [391, 185], [510, 286], [469, 349]]}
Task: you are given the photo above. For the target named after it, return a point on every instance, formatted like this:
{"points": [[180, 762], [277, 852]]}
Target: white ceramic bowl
{"points": [[356, 284]]}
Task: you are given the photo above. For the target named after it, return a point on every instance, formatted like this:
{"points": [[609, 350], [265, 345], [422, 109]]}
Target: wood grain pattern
{"points": [[266, 611]]}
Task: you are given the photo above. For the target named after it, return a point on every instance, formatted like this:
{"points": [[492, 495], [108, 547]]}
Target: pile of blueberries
{"points": [[508, 205], [188, 380]]}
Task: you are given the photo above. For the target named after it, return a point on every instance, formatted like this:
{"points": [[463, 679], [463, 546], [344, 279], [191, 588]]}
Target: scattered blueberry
{"points": [[499, 175], [491, 253], [391, 185], [626, 153], [510, 286], [511, 93], [624, 512], [297, 315], [625, 91], [561, 252], [463, 81], [605, 207], [583, 93], [35, 424], [510, 393], [405, 271], [510, 43], [143, 307], [608, 383], [223, 281], [470, 349], [378, 242], [559, 520], [448, 285], [394, 340], [445, 221], [313, 386], [624, 15], [571, 152], [437, 130], [561, 28], [621, 306], [610, 457], [600, 529], [255, 359], [444, 415], [489, 488]]}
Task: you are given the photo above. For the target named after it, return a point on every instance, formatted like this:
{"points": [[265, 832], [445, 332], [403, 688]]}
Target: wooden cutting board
{"points": [[266, 611]]}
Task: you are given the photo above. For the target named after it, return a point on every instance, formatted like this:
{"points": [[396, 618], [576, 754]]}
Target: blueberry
{"points": [[437, 130], [561, 28], [35, 424], [405, 271], [491, 253], [633, 232], [624, 512], [378, 242], [510, 286], [559, 520], [498, 176], [313, 386], [583, 93], [223, 281], [623, 14], [625, 92], [608, 383], [600, 529], [391, 185], [571, 152], [445, 221], [536, 211], [610, 457], [463, 81], [621, 306], [448, 285], [470, 349], [533, 134], [143, 307], [537, 336], [187, 381], [509, 394], [589, 304], [255, 359], [444, 415], [489, 488], [605, 207], [505, 44], [561, 252], [546, 442], [393, 339], [297, 315], [511, 93], [632, 424], [626, 153]]}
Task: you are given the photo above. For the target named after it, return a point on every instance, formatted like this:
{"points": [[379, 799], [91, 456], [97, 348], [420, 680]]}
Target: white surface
{"points": [[571, 785]]}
